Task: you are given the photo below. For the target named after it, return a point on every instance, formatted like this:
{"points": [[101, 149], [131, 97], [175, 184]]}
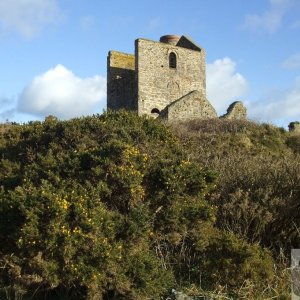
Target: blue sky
{"points": [[53, 52]]}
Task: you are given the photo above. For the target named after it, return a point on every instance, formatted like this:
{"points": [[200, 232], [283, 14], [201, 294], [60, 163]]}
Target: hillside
{"points": [[122, 207], [258, 186]]}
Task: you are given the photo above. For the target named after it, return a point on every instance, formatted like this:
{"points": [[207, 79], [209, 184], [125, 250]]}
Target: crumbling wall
{"points": [[191, 106], [236, 111], [294, 127]]}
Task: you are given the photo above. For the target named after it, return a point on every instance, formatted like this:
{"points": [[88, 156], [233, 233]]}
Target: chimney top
{"points": [[170, 39]]}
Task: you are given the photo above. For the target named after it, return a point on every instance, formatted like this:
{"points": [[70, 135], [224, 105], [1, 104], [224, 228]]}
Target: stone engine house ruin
{"points": [[164, 79]]}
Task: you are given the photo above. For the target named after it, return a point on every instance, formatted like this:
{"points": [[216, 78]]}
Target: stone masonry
{"points": [[191, 106], [294, 127], [121, 87], [165, 79], [237, 111]]}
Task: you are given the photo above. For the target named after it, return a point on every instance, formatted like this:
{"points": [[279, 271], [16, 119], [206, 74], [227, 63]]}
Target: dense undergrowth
{"points": [[122, 207]]}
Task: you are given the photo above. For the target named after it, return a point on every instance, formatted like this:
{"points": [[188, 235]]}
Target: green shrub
{"points": [[113, 206]]}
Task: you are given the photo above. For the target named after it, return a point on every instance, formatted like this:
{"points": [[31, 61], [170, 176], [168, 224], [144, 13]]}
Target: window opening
{"points": [[172, 60]]}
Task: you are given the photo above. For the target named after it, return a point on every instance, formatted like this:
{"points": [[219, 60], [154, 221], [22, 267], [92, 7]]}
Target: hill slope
{"points": [[258, 186], [122, 207]]}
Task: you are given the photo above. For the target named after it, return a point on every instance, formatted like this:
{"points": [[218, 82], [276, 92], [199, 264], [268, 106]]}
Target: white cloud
{"points": [[292, 62], [279, 105], [59, 92], [224, 84], [271, 19], [28, 17]]}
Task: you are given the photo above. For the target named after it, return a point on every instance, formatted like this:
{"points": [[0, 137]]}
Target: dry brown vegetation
{"points": [[258, 188]]}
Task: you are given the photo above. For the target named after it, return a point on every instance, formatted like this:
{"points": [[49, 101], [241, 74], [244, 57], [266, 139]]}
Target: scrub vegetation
{"points": [[117, 206]]}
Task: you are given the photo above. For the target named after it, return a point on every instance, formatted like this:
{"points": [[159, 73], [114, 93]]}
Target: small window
{"points": [[172, 60], [155, 111]]}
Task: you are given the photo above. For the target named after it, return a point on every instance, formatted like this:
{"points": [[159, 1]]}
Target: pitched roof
{"points": [[187, 42]]}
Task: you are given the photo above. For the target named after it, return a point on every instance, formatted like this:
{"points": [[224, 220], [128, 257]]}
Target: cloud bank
{"points": [[224, 84], [278, 105], [271, 19], [28, 17], [60, 93]]}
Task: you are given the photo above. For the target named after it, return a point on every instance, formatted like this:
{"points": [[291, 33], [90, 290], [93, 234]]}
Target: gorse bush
{"points": [[116, 207]]}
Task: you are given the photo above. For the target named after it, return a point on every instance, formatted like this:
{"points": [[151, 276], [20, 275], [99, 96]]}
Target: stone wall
{"points": [[121, 81], [294, 127], [236, 111], [163, 79], [158, 84], [192, 106]]}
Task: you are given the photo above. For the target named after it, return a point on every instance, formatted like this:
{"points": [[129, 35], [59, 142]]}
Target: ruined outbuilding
{"points": [[165, 79], [236, 111], [294, 127]]}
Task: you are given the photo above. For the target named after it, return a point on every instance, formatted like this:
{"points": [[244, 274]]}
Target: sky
{"points": [[53, 52]]}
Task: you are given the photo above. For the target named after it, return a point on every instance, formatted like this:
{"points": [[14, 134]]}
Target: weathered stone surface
{"points": [[236, 111], [294, 127], [158, 84], [121, 81], [191, 106], [162, 79]]}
